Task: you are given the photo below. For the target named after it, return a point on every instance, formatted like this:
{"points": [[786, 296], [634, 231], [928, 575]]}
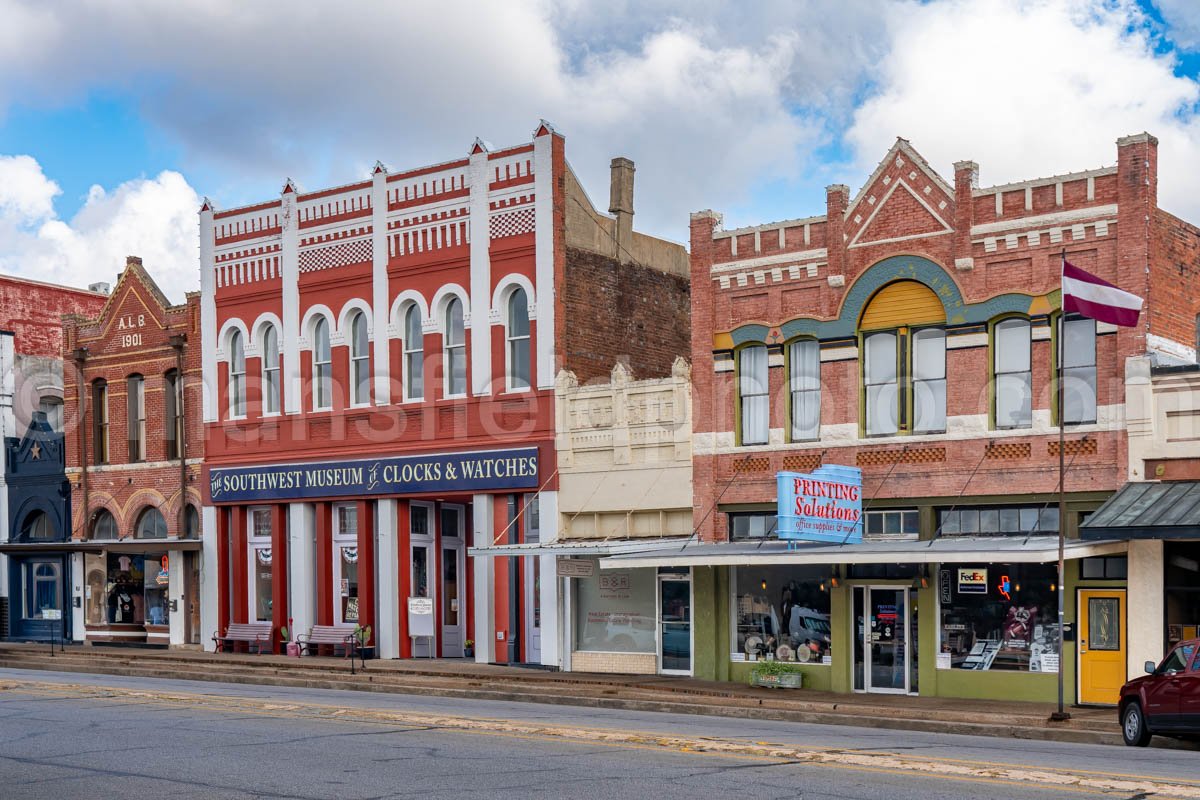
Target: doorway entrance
{"points": [[453, 522], [675, 623], [884, 655], [1101, 645]]}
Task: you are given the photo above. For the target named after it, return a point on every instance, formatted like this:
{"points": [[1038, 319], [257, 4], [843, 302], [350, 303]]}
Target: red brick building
{"points": [[909, 332], [381, 359], [133, 383]]}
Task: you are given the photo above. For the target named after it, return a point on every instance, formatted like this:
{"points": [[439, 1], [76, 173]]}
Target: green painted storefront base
{"points": [[712, 596]]}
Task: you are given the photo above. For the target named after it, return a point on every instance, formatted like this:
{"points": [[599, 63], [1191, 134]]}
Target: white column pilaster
{"points": [[78, 601], [209, 575], [543, 216], [175, 580], [379, 285], [302, 579], [481, 273], [483, 518], [548, 513], [1144, 604], [289, 260], [387, 577], [208, 313]]}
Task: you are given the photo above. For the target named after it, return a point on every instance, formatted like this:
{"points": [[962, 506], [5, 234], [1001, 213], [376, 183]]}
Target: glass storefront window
{"points": [[95, 591], [156, 583], [262, 584], [124, 589], [999, 617], [1182, 590], [43, 589], [781, 612], [614, 611], [346, 553]]}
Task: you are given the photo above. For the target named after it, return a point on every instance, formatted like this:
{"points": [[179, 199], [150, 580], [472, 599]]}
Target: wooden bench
{"points": [[252, 634], [332, 636]]}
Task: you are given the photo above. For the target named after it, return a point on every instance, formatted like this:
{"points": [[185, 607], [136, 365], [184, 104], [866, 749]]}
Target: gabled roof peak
{"points": [[900, 154]]}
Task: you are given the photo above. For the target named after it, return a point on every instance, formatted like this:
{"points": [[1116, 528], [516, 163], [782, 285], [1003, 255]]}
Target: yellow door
{"points": [[1101, 645]]}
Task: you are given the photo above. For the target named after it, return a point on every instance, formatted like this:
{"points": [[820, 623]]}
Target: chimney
{"points": [[620, 203]]}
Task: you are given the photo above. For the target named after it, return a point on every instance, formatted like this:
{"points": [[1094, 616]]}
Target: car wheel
{"points": [[1133, 726]]}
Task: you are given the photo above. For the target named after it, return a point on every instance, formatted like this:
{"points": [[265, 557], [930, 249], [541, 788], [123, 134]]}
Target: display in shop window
{"points": [[615, 611], [1008, 623], [782, 613]]}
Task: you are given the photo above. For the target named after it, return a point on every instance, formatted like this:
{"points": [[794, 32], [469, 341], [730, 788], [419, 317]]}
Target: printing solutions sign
{"points": [[486, 470], [825, 506]]}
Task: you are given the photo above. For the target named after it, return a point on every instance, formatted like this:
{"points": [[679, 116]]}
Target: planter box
{"points": [[785, 681]]}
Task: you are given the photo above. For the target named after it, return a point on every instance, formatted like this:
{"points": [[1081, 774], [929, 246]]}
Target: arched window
{"points": [[237, 375], [360, 360], [173, 413], [1013, 375], [517, 333], [804, 386], [414, 355], [322, 366], [151, 525], [135, 406], [38, 527], [104, 526], [100, 421], [270, 369], [454, 364], [52, 407], [754, 417], [191, 522]]}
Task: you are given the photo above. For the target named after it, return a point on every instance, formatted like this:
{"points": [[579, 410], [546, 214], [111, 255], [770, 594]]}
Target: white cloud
{"points": [[1029, 89], [152, 218], [1183, 19]]}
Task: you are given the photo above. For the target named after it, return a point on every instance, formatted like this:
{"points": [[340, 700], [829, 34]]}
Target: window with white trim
{"points": [[517, 334], [454, 364], [904, 381], [1013, 381], [754, 416], [322, 366], [414, 355], [1078, 337], [360, 360], [237, 375], [804, 384], [270, 370]]}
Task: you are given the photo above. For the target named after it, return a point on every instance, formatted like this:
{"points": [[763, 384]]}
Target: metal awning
{"points": [[583, 547], [1148, 511], [947, 549], [102, 545]]}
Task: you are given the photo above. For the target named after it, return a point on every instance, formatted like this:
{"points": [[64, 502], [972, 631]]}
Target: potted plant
{"points": [[289, 647], [469, 648], [776, 674], [363, 636]]}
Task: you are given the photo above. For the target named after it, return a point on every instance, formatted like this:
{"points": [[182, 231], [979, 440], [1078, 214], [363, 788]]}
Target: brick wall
{"points": [[621, 312], [1174, 271]]}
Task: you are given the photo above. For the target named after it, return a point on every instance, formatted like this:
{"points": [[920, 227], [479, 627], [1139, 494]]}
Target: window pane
{"points": [[755, 420], [881, 409], [874, 523], [950, 521], [881, 358], [1029, 519], [752, 370], [969, 520], [929, 405], [1014, 400], [454, 322], [1079, 395], [1079, 343], [1049, 519], [518, 314], [1012, 345], [806, 415], [891, 522], [321, 340], [805, 365], [989, 521], [1010, 520], [929, 354], [358, 335], [518, 356]]}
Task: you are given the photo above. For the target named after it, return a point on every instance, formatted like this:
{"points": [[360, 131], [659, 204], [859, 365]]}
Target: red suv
{"points": [[1165, 702]]}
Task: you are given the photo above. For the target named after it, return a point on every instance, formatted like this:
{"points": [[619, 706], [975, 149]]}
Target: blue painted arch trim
{"points": [[880, 274]]}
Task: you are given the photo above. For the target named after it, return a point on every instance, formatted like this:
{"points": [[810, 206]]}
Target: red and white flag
{"points": [[1084, 293]]}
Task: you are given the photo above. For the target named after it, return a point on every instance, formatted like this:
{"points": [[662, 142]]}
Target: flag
{"points": [[1084, 293]]}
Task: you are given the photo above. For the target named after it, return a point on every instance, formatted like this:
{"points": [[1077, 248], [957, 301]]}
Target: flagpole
{"points": [[1061, 714]]}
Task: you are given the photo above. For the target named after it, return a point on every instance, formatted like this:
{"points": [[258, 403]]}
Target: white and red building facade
{"points": [[380, 363]]}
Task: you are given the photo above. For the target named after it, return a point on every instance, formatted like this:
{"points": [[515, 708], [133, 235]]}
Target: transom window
{"points": [[270, 369], [455, 349], [360, 360], [1012, 367], [752, 525], [753, 400], [104, 526], [38, 527], [151, 525], [414, 355], [997, 521], [886, 524], [322, 366], [804, 380]]}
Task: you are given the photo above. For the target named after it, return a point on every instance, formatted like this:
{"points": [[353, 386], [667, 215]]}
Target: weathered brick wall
{"points": [[33, 311], [614, 312], [1174, 271]]}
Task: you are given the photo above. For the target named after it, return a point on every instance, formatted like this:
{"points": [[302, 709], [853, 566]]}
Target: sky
{"points": [[116, 119]]}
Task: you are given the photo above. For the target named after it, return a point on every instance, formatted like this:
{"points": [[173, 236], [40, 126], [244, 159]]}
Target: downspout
{"points": [[79, 356], [178, 342]]}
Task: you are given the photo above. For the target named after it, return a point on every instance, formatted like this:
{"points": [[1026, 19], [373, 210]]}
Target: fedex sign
{"points": [[825, 506]]}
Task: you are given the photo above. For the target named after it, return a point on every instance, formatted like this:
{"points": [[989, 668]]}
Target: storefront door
{"points": [[884, 656], [453, 523], [533, 605], [422, 586], [675, 624], [41, 604], [1101, 645]]}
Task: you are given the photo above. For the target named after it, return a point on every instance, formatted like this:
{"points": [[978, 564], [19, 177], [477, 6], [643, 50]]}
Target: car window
{"points": [[1177, 661]]}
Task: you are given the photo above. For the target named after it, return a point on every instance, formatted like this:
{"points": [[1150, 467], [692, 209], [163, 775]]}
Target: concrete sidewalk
{"points": [[454, 678]]}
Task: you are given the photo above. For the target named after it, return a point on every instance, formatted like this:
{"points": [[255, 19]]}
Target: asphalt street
{"points": [[65, 736]]}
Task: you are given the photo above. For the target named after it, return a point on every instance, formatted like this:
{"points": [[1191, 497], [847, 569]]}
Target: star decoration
{"points": [[36, 451]]}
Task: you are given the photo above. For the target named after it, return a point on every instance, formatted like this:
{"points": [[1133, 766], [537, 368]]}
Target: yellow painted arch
{"points": [[902, 303]]}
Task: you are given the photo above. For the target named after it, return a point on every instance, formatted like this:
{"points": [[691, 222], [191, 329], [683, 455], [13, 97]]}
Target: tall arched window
{"points": [[322, 366], [237, 375], [1013, 380], [454, 364], [804, 387], [104, 526], [360, 360], [414, 355], [100, 421], [135, 416], [517, 333], [151, 525], [52, 407], [754, 419], [270, 369]]}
